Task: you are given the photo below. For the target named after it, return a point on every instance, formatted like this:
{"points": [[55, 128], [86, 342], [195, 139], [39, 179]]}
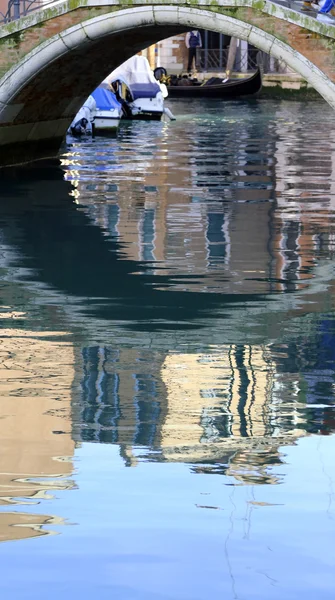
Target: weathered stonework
{"points": [[52, 59]]}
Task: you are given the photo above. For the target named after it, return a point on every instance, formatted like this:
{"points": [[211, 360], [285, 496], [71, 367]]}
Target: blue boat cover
{"points": [[144, 90], [105, 99], [326, 6]]}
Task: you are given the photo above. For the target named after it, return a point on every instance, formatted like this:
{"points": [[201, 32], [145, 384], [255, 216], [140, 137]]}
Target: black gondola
{"points": [[214, 88]]}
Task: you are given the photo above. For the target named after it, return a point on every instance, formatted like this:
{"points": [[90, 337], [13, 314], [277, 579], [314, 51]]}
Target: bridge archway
{"points": [[40, 95]]}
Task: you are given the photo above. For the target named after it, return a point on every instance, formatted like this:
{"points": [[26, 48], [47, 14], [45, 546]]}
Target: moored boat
{"points": [[108, 110], [217, 88], [137, 90], [83, 121]]}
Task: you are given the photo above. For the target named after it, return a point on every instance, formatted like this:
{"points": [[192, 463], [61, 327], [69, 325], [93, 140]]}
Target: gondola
{"points": [[215, 88]]}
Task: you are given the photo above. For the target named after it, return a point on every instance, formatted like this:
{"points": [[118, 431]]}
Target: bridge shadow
{"points": [[63, 249]]}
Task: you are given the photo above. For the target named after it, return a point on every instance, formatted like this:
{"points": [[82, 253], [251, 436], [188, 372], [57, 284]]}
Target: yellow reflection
{"points": [[36, 376], [20, 526], [222, 407]]}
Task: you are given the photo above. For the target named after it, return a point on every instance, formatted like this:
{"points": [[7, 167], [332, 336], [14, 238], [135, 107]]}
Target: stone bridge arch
{"points": [[48, 81]]}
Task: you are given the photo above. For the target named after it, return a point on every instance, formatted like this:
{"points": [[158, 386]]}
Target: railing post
{"points": [[16, 5]]}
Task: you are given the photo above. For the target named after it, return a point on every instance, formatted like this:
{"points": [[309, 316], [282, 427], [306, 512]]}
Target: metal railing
{"points": [[246, 60], [21, 8]]}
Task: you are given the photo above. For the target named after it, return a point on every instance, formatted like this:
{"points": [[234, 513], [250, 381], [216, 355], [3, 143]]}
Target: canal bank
{"points": [[282, 85]]}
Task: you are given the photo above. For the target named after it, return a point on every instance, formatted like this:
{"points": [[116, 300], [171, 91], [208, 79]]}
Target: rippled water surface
{"points": [[167, 348]]}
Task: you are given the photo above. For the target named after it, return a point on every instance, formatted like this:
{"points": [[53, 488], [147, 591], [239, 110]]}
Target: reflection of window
{"points": [[216, 239], [148, 235], [148, 409], [113, 219], [100, 397], [208, 393], [290, 253], [215, 425], [321, 240], [112, 187], [242, 366]]}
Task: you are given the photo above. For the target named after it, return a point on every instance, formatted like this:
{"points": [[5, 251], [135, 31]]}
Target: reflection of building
{"points": [[299, 240], [22, 526], [236, 217], [36, 376], [190, 407], [228, 411], [213, 214], [122, 398], [225, 395], [160, 214]]}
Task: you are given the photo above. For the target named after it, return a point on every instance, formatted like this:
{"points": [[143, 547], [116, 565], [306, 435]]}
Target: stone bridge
{"points": [[53, 58]]}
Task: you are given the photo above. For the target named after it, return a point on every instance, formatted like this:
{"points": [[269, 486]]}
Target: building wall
{"points": [[172, 53], [3, 6]]}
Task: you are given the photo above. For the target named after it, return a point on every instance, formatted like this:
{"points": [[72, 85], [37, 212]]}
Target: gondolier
{"points": [[193, 41]]}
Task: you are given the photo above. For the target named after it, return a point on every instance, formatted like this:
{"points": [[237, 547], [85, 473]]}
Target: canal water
{"points": [[167, 347]]}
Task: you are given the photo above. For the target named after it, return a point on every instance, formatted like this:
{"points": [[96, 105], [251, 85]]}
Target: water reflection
{"points": [[35, 428], [167, 304], [257, 239], [229, 410]]}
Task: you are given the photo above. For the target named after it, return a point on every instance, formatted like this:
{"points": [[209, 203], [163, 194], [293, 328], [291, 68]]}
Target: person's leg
{"points": [[194, 55], [191, 56], [189, 64]]}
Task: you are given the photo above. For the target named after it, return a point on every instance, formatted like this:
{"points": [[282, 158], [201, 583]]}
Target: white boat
{"points": [[83, 121], [136, 88], [108, 110]]}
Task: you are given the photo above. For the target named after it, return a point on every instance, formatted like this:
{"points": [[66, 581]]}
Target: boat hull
{"points": [[147, 116], [107, 120], [105, 124], [231, 89], [147, 109]]}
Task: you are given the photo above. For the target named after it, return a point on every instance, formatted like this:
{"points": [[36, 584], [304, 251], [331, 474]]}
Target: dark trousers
{"points": [[192, 52]]}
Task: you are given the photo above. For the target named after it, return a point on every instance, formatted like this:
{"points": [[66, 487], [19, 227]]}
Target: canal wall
{"points": [[283, 83]]}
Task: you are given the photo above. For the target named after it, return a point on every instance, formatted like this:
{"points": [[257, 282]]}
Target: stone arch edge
{"points": [[127, 19]]}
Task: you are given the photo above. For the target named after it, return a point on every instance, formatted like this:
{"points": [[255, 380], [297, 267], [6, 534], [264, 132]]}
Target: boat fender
{"points": [[169, 114], [164, 89]]}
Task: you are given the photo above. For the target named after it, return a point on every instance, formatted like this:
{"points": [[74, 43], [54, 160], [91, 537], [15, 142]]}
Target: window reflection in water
{"points": [[231, 409]]}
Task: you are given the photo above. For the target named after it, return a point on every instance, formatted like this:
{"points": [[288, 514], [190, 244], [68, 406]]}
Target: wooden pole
{"points": [[231, 56], [151, 56]]}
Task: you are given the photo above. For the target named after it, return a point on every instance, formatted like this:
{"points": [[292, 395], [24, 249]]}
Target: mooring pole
{"points": [[231, 56]]}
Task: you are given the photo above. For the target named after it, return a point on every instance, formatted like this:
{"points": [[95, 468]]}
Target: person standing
{"points": [[192, 41]]}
